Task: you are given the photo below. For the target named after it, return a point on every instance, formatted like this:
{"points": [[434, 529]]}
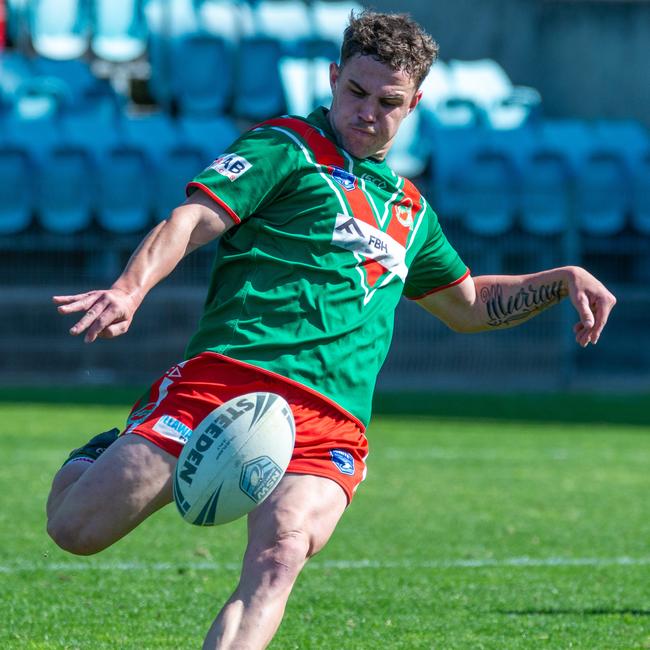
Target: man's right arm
{"points": [[109, 312]]}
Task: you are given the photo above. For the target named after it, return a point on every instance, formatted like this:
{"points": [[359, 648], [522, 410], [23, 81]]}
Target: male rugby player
{"points": [[319, 240]]}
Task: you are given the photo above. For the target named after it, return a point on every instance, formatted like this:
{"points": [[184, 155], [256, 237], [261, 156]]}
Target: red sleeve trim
{"points": [[446, 286], [231, 213]]}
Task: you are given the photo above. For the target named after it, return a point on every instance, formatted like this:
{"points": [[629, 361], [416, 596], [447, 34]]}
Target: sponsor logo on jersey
{"points": [[231, 166], [370, 242], [343, 460], [345, 179], [172, 428], [377, 182]]}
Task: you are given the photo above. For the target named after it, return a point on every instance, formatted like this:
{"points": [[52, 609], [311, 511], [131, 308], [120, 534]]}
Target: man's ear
{"points": [[415, 101], [334, 75]]}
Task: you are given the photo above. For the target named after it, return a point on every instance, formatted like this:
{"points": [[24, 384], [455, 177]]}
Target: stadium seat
{"points": [[15, 69], [59, 28], [330, 19], [286, 21], [166, 20], [544, 194], [484, 81], [120, 33], [66, 192], [180, 166], [210, 136], [81, 84], [602, 195], [201, 74], [521, 107], [16, 189], [641, 197], [411, 148], [154, 134], [258, 91], [451, 149], [17, 23], [125, 190], [298, 83], [487, 185], [40, 97], [628, 139], [225, 19]]}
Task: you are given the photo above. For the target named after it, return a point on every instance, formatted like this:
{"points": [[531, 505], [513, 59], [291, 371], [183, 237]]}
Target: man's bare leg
{"points": [[91, 506], [291, 526]]}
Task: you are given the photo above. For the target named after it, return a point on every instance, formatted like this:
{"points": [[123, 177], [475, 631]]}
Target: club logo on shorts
{"points": [[346, 180], [343, 460], [231, 166], [172, 428]]}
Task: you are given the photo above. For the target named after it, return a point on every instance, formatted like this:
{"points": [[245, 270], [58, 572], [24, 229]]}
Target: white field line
{"points": [[509, 455], [324, 565]]}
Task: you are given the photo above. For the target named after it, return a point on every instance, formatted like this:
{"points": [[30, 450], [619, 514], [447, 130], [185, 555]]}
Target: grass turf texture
{"points": [[426, 557]]}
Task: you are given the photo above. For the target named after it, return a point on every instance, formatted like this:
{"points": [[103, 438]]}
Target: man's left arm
{"points": [[491, 302]]}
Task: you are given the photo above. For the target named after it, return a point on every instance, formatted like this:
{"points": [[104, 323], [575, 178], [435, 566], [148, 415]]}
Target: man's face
{"points": [[369, 102]]}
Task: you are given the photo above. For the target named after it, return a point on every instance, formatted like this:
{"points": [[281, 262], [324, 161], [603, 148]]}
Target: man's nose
{"points": [[367, 111]]}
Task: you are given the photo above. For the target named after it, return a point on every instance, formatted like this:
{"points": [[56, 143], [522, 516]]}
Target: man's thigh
{"points": [[127, 483], [302, 504]]}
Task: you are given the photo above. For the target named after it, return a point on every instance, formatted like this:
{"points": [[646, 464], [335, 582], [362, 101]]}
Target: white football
{"points": [[234, 459]]}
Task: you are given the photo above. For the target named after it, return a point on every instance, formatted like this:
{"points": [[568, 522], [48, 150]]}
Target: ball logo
{"points": [[258, 477]]}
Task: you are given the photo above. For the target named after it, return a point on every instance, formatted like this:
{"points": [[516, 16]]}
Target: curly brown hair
{"points": [[394, 39]]}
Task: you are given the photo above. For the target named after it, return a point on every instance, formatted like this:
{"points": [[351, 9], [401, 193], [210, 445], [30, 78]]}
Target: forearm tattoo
{"points": [[521, 305]]}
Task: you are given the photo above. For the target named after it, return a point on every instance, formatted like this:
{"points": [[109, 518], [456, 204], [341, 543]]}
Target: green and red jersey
{"points": [[305, 285]]}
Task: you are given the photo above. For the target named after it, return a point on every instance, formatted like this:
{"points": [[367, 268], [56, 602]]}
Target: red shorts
{"points": [[328, 442]]}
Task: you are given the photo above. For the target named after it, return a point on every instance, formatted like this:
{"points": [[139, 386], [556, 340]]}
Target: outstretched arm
{"points": [[109, 312], [498, 301]]}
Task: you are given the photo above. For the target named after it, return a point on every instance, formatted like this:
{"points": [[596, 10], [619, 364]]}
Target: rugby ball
{"points": [[234, 459]]}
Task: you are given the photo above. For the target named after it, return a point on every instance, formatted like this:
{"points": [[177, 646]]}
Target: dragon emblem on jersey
{"points": [[404, 214]]}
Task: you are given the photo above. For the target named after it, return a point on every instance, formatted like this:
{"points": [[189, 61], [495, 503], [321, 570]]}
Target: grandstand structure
{"points": [[108, 108]]}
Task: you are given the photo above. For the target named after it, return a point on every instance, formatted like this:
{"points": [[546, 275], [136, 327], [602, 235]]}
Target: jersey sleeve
{"points": [[436, 266], [251, 172]]}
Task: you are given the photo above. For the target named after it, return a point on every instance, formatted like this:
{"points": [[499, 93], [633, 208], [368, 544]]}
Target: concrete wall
{"points": [[588, 58]]}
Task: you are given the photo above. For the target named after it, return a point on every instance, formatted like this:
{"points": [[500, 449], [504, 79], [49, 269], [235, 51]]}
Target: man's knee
{"points": [[74, 537], [281, 561]]}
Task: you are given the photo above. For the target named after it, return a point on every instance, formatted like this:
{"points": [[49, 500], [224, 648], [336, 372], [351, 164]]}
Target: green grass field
{"points": [[467, 534]]}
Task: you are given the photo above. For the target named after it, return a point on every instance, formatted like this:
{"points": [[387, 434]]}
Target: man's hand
{"points": [[592, 301], [109, 312]]}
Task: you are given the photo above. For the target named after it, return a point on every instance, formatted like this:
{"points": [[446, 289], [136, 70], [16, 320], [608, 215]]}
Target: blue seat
{"points": [[602, 195], [180, 166], [154, 134], [258, 91], [286, 21], [544, 194], [67, 190], [166, 21], [59, 29], [81, 84], [201, 74], [125, 190], [210, 136], [487, 184], [411, 150], [120, 32], [627, 139], [15, 69], [451, 149], [330, 18], [16, 189], [641, 197]]}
